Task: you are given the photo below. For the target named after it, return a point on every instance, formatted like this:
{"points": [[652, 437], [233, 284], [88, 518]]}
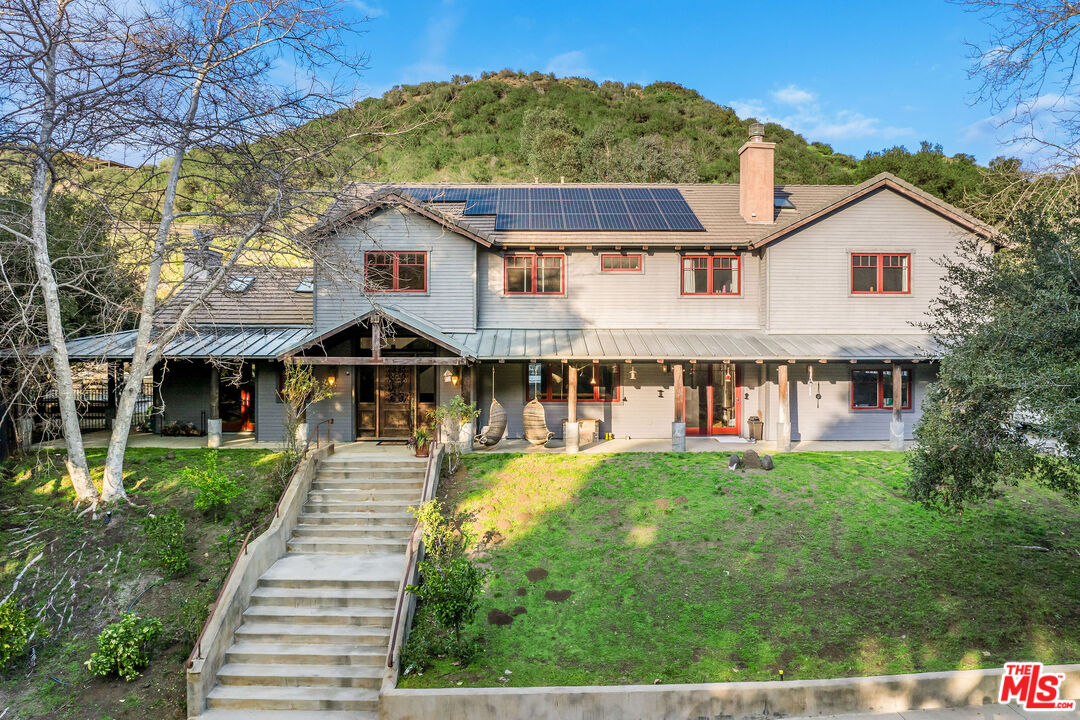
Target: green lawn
{"points": [[681, 571], [90, 571]]}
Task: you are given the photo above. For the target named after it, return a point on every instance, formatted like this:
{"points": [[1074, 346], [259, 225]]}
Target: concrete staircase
{"points": [[314, 638]]}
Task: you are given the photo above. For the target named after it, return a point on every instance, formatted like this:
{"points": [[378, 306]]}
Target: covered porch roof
{"points": [[255, 343], [638, 344]]}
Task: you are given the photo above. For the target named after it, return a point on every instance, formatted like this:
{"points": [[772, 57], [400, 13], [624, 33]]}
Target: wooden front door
{"points": [[397, 397], [713, 405]]}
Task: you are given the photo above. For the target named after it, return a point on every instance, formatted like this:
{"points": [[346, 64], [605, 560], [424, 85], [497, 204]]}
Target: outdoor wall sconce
{"points": [[659, 393], [331, 379], [447, 376], [455, 379], [633, 373]]}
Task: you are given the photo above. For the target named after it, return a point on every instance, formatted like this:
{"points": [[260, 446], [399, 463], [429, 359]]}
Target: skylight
{"points": [[240, 284], [783, 203], [306, 285]]}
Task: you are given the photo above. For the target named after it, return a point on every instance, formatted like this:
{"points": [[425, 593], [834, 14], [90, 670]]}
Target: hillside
{"points": [[512, 126]]}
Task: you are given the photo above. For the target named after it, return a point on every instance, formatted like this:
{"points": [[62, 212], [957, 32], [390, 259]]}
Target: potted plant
{"points": [[421, 441]]}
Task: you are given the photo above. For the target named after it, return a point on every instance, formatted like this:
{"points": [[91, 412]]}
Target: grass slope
{"points": [[681, 571], [90, 572]]}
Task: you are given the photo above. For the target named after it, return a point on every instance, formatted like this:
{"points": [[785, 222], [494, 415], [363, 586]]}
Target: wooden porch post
{"points": [[213, 424], [678, 427], [571, 434], [783, 420], [110, 391], [896, 427]]}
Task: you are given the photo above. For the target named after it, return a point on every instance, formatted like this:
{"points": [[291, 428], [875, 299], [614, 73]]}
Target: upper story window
{"points": [[533, 274], [620, 263], [872, 389], [398, 271], [710, 275], [880, 273], [598, 382]]}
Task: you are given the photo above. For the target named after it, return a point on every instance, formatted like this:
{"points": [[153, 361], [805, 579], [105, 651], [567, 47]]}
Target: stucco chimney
{"points": [[756, 177]]}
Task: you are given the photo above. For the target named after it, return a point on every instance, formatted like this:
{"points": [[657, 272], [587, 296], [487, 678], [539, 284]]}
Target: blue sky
{"points": [[859, 75]]}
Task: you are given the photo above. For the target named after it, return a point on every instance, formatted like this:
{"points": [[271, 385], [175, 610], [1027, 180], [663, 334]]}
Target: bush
{"points": [[16, 627], [216, 487], [123, 647], [166, 534], [190, 617]]}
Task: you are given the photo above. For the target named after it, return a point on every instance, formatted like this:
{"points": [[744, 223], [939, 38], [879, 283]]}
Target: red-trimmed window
{"points": [[596, 382], [533, 274], [880, 274], [710, 275], [620, 263], [872, 389], [397, 271]]}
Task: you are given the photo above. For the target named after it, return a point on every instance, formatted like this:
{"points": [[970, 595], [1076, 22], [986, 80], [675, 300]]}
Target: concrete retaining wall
{"points": [[730, 701], [262, 552]]}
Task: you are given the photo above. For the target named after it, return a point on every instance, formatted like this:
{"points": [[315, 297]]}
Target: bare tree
{"points": [[1027, 70]]}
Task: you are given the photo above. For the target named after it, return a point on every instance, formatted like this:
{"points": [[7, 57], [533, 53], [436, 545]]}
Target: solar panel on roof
{"points": [[576, 208]]}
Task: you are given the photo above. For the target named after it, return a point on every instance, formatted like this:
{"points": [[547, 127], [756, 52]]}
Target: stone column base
{"points": [[783, 436], [896, 435], [213, 433], [572, 437], [678, 437]]}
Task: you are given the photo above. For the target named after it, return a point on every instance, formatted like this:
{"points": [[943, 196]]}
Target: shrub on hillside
{"points": [[16, 628], [216, 487], [123, 647], [166, 534]]}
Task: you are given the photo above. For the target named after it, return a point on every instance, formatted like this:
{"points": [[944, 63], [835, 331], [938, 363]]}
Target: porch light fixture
{"points": [[454, 379], [331, 379], [633, 373], [447, 376]]}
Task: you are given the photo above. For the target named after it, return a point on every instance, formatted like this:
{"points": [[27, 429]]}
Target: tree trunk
{"points": [[78, 469]]}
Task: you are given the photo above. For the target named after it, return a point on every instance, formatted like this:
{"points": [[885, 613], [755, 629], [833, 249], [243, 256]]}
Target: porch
{"points": [[693, 445]]}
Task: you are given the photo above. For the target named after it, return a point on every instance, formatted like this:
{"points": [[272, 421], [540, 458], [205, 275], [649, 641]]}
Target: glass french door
{"points": [[712, 399]]}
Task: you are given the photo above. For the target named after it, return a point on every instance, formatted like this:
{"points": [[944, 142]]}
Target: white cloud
{"points": [[792, 95], [1040, 132], [368, 9], [750, 108], [570, 64]]}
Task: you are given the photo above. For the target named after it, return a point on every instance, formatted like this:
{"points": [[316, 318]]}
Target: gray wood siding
{"points": [[809, 271], [593, 298], [269, 409], [450, 300], [341, 406], [185, 391]]}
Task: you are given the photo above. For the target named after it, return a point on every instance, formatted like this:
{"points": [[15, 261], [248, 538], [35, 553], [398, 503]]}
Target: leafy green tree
{"points": [[1005, 406]]}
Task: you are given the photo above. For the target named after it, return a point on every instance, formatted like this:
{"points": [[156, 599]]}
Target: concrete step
{"points": [[400, 532], [346, 545], [342, 463], [328, 583], [374, 483], [332, 616], [322, 597], [312, 634], [409, 497], [289, 698], [223, 714], [380, 475], [356, 518], [299, 676], [365, 506], [292, 654]]}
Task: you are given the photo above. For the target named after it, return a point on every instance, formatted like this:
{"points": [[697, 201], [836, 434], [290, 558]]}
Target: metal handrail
{"points": [[196, 652], [315, 430], [410, 560]]}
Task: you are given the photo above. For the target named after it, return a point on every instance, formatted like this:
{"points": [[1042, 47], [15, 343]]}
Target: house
{"points": [[633, 305]]}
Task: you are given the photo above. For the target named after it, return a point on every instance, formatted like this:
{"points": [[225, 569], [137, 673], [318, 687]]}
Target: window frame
{"points": [[395, 270], [535, 267], [709, 273], [640, 261], [880, 273], [909, 381], [548, 396]]}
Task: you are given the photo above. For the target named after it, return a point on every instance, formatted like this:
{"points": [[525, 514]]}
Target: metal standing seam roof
{"points": [[256, 343], [638, 344]]}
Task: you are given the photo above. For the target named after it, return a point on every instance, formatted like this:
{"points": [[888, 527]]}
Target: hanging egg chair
{"points": [[496, 427], [535, 421]]}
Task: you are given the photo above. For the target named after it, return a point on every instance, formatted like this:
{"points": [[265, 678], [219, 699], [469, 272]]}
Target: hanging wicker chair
{"points": [[536, 431], [496, 427]]}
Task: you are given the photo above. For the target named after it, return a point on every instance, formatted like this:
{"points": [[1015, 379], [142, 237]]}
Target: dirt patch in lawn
{"points": [[536, 574], [557, 595]]}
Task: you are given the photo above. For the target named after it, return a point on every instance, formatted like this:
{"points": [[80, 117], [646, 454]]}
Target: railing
{"points": [[430, 476], [196, 652], [315, 430]]}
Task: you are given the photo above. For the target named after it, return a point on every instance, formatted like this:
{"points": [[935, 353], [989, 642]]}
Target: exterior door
{"points": [[712, 399], [397, 397], [235, 402]]}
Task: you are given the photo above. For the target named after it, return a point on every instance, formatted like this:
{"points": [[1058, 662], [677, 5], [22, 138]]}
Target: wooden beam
{"points": [[571, 394], [363, 360], [466, 386], [783, 440], [680, 392], [897, 392], [215, 393], [376, 337]]}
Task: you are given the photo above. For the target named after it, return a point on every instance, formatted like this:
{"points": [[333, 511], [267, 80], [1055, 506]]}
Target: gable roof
{"points": [[398, 316], [269, 299], [715, 205], [352, 206]]}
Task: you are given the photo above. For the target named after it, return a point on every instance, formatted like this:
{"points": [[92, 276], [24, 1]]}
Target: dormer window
{"points": [[240, 284]]}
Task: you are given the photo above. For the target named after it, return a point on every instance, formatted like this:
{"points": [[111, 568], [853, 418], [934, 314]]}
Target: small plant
{"points": [[425, 643], [190, 617], [166, 534], [123, 647], [420, 440], [216, 487], [300, 389], [16, 628]]}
